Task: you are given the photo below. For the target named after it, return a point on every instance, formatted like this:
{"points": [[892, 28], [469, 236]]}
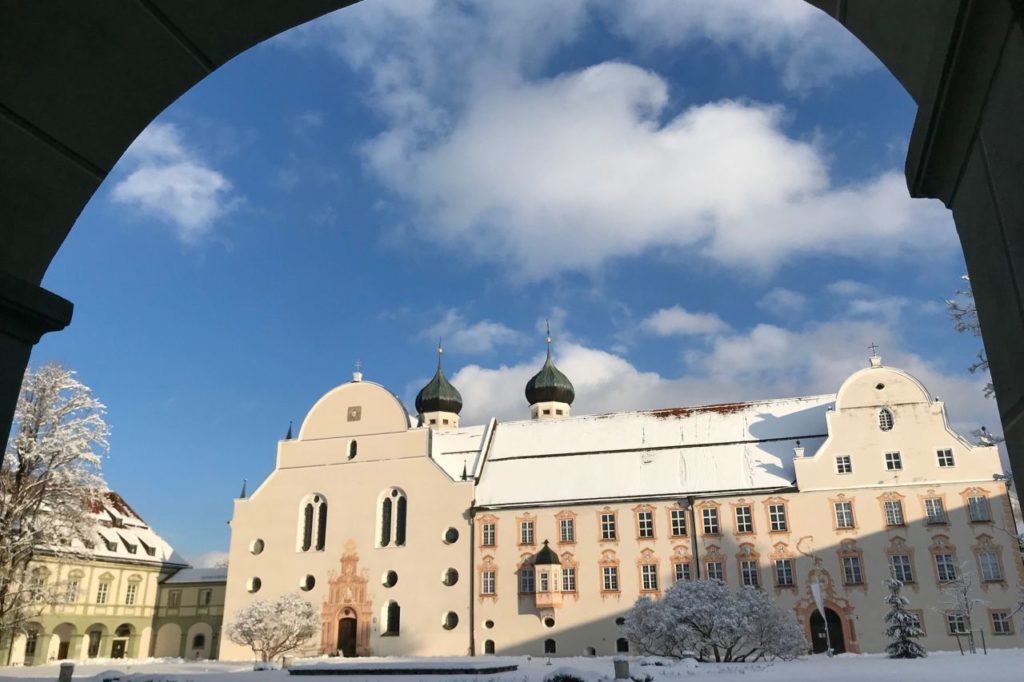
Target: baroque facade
{"points": [[421, 536]]}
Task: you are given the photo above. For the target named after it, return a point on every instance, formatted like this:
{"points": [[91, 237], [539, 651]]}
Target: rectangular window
{"points": [[648, 577], [131, 594], [945, 458], [710, 516], [844, 465], [852, 573], [526, 533], [487, 582], [102, 592], [487, 535], [894, 513], [784, 572], [749, 573], [935, 510], [715, 570], [682, 570], [1002, 624], [915, 619], [979, 509], [526, 580], [205, 597], [568, 580], [945, 567], [844, 514], [777, 516], [899, 566], [71, 593], [608, 526], [956, 624], [610, 578], [567, 530], [543, 581], [645, 524], [893, 461], [990, 571], [174, 598], [744, 520], [678, 517]]}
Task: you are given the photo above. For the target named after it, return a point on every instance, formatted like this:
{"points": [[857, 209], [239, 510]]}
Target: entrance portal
{"points": [[819, 640], [347, 637]]}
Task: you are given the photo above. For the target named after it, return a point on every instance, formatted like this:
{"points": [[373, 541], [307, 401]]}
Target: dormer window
{"points": [[885, 420]]}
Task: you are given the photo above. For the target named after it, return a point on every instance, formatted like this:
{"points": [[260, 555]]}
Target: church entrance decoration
{"points": [[347, 611]]}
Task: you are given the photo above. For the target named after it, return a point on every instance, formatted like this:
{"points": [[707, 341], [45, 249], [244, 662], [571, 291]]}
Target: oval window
{"points": [[307, 583], [451, 536], [389, 579], [488, 624], [450, 577], [885, 420], [254, 585], [451, 620], [256, 546]]}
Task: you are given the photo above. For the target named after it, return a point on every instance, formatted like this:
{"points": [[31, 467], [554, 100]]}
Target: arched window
{"points": [[489, 646], [392, 620], [391, 516], [549, 646], [400, 522], [622, 645], [353, 448], [199, 641], [313, 509], [885, 420]]}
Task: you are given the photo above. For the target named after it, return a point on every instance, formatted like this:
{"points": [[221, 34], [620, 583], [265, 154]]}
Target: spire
{"points": [[288, 436], [439, 395], [241, 495]]}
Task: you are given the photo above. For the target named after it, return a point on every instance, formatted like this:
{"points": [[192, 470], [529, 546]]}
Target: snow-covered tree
{"points": [[49, 478], [273, 628], [957, 599], [703, 618], [901, 626], [964, 312]]}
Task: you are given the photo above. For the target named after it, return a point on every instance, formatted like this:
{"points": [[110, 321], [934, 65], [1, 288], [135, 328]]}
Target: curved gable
{"points": [[356, 408], [874, 386]]}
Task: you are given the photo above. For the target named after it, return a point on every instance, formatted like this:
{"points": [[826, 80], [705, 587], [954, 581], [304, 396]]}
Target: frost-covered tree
{"points": [[703, 618], [901, 626], [273, 628], [957, 599], [964, 313], [49, 478]]}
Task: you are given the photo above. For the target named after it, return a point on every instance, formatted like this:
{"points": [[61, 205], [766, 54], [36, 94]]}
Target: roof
{"points": [[458, 448], [438, 395], [549, 384], [659, 453], [124, 535], [198, 575]]}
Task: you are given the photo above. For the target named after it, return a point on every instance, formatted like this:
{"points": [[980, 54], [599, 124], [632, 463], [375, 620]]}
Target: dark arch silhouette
{"points": [[834, 627], [82, 80]]}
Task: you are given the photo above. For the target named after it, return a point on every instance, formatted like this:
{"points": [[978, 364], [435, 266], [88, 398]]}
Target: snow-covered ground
{"points": [[1006, 664]]}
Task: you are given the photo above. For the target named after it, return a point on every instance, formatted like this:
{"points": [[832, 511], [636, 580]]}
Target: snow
{"points": [[198, 575], [1004, 664], [741, 446], [459, 447]]}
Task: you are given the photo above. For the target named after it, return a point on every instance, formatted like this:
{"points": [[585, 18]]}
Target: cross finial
{"points": [[359, 365], [547, 335], [358, 374], [874, 349]]}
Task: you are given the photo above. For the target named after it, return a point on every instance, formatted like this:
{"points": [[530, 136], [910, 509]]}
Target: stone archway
{"points": [[84, 81]]}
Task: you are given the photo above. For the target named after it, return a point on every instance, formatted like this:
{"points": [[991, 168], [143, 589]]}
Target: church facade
{"points": [[422, 536]]}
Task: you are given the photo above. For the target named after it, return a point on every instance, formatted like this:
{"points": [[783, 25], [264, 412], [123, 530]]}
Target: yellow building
{"points": [[427, 537]]}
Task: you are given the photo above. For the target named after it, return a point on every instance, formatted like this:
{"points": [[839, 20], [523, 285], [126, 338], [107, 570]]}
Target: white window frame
{"points": [[750, 573], [777, 517], [715, 569], [744, 519], [901, 568], [131, 594], [784, 573], [645, 523], [487, 534], [844, 464], [567, 530], [1002, 623], [991, 571], [649, 577], [526, 533], [527, 580], [844, 514], [709, 515], [569, 579], [678, 522], [608, 529], [853, 570], [979, 508], [610, 578], [893, 461], [935, 510], [103, 592], [956, 624], [487, 582], [886, 419], [945, 458], [894, 513], [682, 570], [945, 567], [543, 582]]}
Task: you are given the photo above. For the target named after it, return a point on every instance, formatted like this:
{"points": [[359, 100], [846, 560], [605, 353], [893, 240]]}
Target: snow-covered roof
{"points": [[123, 535], [679, 451], [198, 575], [459, 448]]}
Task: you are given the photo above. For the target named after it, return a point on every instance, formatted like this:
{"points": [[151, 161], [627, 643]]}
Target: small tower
{"points": [[439, 403], [548, 568], [549, 392]]}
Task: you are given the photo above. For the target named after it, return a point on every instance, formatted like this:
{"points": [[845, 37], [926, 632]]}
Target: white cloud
{"points": [[677, 321], [474, 338], [782, 302], [570, 173], [170, 182], [809, 48], [766, 361]]}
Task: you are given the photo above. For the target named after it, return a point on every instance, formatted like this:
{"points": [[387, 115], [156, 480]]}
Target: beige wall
{"points": [[199, 610]]}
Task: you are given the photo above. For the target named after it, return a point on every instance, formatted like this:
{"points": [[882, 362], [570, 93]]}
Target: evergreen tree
{"points": [[901, 625]]}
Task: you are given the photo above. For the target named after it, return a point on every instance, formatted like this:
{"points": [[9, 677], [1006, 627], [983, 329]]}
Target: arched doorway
{"points": [[825, 630], [119, 645], [347, 637]]}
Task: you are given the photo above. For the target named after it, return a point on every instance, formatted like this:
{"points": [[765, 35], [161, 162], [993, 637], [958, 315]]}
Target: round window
{"points": [[451, 536], [451, 620], [307, 583], [254, 585], [620, 621], [389, 579], [488, 624], [549, 622], [256, 546], [450, 577]]}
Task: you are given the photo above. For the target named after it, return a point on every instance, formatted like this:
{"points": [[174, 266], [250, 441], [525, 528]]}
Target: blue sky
{"points": [[705, 198]]}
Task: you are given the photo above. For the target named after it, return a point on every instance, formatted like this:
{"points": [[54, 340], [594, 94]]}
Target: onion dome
{"points": [[546, 557], [549, 384], [438, 395]]}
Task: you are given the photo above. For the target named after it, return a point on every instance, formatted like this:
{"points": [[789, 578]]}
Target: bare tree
{"points": [[957, 600], [964, 312], [273, 628], [49, 477]]}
